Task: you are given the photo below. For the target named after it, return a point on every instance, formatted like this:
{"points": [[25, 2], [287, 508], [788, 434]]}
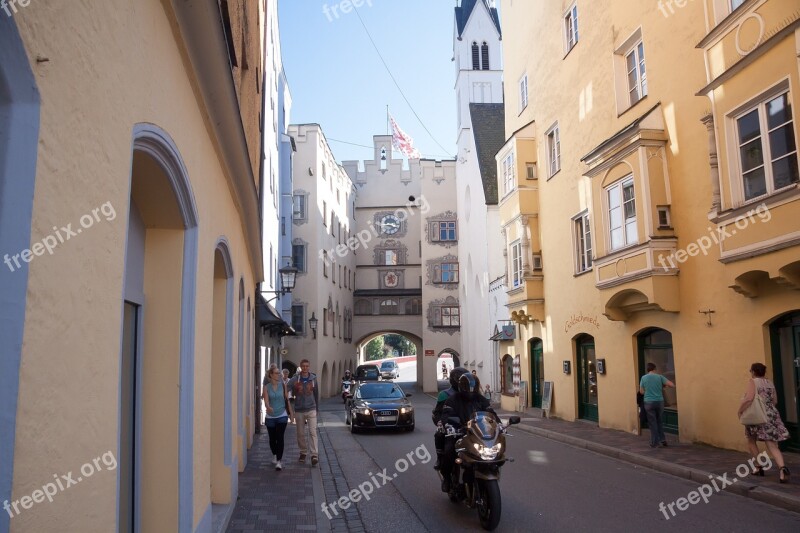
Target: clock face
{"points": [[390, 224], [390, 279]]}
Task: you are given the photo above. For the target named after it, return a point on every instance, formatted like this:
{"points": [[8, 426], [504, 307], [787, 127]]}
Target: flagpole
{"points": [[387, 119]]}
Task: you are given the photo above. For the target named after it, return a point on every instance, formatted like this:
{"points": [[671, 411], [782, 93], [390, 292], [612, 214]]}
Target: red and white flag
{"points": [[402, 142]]}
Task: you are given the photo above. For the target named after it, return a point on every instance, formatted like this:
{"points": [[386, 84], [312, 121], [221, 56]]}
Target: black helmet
{"points": [[467, 384], [456, 373]]}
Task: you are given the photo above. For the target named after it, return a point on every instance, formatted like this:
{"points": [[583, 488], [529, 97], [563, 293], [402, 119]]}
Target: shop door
{"points": [[655, 346], [587, 380], [785, 336], [537, 372]]}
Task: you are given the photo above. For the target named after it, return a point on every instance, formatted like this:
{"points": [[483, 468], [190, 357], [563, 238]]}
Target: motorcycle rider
{"points": [[347, 379], [461, 405], [438, 437]]}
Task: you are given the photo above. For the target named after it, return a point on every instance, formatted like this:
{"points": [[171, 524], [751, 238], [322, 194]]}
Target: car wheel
{"points": [[353, 428]]}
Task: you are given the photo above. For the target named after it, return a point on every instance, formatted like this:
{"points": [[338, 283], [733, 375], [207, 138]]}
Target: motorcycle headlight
{"points": [[406, 409], [488, 453]]}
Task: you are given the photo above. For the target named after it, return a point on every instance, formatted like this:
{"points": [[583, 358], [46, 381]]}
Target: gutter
{"points": [[200, 26]]}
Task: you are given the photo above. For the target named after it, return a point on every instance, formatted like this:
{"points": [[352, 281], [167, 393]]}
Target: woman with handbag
{"points": [[278, 410], [761, 419]]}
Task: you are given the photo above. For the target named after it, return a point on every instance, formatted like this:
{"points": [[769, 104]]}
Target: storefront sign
{"points": [[579, 319], [429, 353]]}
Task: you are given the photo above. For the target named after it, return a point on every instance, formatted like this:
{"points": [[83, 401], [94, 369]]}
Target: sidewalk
{"points": [[691, 461]]}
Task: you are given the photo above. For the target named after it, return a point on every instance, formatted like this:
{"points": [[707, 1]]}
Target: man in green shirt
{"points": [[651, 386]]}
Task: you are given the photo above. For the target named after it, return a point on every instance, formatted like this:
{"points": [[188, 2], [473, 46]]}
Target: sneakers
{"points": [[302, 458], [278, 465], [314, 461], [664, 444], [274, 459]]}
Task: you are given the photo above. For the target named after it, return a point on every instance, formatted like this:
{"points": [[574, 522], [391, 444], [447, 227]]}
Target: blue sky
{"points": [[337, 79]]}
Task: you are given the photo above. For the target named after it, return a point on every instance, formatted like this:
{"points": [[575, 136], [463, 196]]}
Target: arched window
{"points": [[485, 56], [389, 307], [383, 158], [476, 59], [364, 307], [507, 375]]}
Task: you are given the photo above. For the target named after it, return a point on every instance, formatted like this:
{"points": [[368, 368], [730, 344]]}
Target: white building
{"points": [[324, 203], [477, 52]]}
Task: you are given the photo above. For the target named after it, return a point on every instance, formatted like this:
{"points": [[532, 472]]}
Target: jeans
{"points": [[655, 420], [301, 418], [276, 427]]}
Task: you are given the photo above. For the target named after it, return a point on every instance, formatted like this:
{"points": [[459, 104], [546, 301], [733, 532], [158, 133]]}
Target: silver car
{"points": [[389, 370]]}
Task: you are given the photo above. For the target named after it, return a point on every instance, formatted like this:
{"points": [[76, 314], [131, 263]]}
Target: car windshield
{"points": [[387, 366], [380, 390]]}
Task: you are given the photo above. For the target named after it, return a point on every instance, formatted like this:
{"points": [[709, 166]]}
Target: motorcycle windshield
{"points": [[485, 424]]}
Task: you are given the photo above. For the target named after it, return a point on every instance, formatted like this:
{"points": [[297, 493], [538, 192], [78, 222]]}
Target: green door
{"points": [[587, 379], [785, 337], [537, 371], [655, 346]]}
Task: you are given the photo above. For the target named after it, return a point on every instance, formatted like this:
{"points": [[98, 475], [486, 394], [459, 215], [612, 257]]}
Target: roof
{"points": [[463, 13], [488, 127]]}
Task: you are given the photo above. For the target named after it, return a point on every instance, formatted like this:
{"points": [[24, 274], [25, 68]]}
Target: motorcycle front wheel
{"points": [[489, 507]]}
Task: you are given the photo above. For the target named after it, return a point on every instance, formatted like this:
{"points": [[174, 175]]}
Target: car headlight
{"points": [[364, 410], [407, 409], [488, 453]]}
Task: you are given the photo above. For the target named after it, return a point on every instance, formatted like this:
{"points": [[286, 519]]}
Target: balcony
{"points": [[639, 278]]}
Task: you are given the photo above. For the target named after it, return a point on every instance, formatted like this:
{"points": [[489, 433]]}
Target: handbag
{"points": [[756, 412]]}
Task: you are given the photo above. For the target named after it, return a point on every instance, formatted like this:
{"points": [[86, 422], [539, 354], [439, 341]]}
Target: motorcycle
{"points": [[480, 452], [346, 387]]}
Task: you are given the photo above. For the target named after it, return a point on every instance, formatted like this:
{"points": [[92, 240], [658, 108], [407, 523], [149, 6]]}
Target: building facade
{"points": [[663, 222], [405, 243], [324, 200], [477, 49], [134, 163]]}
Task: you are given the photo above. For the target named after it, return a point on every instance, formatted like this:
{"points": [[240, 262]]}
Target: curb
{"points": [[748, 490]]}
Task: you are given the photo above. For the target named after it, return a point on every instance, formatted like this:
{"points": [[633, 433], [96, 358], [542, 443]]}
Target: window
{"points": [[340, 275], [283, 226], [299, 207], [443, 231], [447, 316], [516, 264], [414, 306], [523, 92], [298, 318], [530, 171], [554, 149], [445, 273], [767, 148], [364, 307], [476, 57], [324, 172], [509, 173], [299, 256], [736, 3], [663, 217], [389, 257], [637, 76], [622, 214], [571, 28], [508, 375], [324, 213], [583, 243], [333, 222], [325, 263], [333, 273], [485, 56], [389, 307], [325, 322]]}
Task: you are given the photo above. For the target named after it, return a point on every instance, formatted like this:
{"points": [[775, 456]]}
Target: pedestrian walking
{"points": [[276, 400], [306, 407], [773, 430], [651, 386]]}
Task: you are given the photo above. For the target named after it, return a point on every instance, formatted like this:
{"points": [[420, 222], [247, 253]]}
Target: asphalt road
{"points": [[550, 487]]}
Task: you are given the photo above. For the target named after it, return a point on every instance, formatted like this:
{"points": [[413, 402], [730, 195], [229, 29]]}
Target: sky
{"points": [[337, 79]]}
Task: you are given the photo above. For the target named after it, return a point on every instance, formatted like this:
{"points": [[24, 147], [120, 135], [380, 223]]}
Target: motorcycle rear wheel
{"points": [[490, 506]]}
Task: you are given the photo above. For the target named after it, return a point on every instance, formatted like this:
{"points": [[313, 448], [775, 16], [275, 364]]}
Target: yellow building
{"points": [[129, 228], [650, 200]]}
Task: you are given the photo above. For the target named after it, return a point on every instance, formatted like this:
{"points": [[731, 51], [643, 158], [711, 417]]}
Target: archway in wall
{"points": [[399, 346], [454, 355], [444, 365]]}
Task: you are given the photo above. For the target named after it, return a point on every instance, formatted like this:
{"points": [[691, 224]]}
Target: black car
{"points": [[379, 405], [368, 373]]}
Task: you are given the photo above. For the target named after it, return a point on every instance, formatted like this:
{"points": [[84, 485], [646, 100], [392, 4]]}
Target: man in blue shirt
{"points": [[651, 386]]}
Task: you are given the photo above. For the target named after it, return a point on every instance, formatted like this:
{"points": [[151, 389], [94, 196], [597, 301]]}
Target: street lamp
{"points": [[312, 322], [288, 280]]}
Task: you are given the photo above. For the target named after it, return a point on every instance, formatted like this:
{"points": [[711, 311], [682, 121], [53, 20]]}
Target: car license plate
{"points": [[385, 418]]}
